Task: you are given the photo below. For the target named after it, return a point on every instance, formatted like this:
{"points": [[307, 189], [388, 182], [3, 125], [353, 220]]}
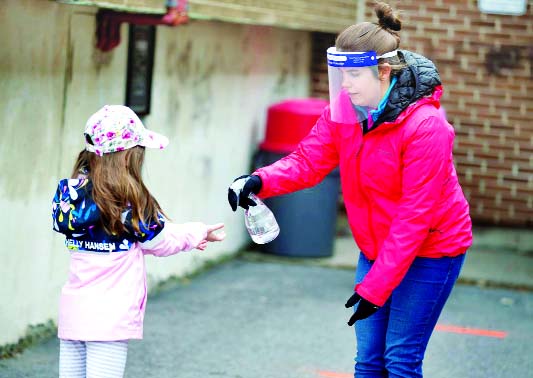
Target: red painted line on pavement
{"points": [[331, 374], [471, 331], [439, 327]]}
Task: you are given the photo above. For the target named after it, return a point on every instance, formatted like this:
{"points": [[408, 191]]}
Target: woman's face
{"points": [[362, 85]]}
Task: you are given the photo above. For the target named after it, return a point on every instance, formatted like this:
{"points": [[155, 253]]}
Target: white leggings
{"points": [[92, 359]]}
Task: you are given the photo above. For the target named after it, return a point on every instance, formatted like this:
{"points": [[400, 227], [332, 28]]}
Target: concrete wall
{"points": [[212, 84]]}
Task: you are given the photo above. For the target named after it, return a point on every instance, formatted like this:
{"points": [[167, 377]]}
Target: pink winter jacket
{"points": [[399, 184], [104, 297]]}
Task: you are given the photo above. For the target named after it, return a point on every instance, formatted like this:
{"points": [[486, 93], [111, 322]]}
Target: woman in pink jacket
{"points": [[405, 206], [110, 222]]}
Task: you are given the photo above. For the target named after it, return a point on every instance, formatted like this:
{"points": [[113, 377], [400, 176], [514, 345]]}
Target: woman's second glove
{"points": [[249, 184], [364, 309]]}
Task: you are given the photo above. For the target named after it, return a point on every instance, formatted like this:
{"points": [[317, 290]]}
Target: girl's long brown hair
{"points": [[118, 185]]}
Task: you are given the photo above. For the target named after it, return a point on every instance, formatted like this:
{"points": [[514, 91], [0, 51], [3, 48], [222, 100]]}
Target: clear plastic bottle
{"points": [[260, 222]]}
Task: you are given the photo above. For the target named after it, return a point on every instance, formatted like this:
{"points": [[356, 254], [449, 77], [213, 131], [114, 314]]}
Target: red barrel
{"points": [[289, 121]]}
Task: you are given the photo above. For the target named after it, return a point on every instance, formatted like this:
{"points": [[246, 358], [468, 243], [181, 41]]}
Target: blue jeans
{"points": [[392, 342]]}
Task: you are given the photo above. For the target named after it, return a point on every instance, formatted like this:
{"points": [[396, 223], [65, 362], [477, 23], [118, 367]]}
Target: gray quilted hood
{"points": [[415, 81]]}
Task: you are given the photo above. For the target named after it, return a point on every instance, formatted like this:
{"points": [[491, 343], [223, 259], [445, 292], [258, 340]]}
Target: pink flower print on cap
{"points": [[117, 128]]}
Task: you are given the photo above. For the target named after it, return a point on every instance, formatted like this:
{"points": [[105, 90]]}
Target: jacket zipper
{"points": [[367, 200]]}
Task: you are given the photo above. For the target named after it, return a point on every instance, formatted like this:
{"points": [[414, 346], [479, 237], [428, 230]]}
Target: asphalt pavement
{"points": [[262, 316]]}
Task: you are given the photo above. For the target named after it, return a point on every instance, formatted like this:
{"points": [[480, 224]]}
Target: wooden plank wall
{"points": [[314, 15]]}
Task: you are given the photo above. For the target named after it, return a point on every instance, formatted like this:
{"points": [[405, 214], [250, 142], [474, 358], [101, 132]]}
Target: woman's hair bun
{"points": [[387, 19]]}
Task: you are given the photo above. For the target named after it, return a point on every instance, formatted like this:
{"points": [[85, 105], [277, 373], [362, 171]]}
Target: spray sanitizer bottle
{"points": [[259, 219]]}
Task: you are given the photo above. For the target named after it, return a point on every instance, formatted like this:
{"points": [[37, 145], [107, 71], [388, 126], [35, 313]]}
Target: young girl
{"points": [[405, 206], [110, 221]]}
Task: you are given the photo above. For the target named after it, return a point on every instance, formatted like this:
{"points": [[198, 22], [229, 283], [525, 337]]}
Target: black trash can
{"points": [[307, 218]]}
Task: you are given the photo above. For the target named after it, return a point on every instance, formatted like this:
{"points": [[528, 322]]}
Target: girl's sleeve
{"points": [[163, 238], [313, 159], [173, 238], [72, 208]]}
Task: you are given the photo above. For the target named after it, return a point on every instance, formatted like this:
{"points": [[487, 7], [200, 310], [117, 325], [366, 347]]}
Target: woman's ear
{"points": [[384, 71]]}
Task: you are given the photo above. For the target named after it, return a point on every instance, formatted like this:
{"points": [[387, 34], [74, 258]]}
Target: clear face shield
{"points": [[354, 86]]}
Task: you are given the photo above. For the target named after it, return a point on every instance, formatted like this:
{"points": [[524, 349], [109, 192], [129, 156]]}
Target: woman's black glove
{"points": [[252, 184], [364, 310]]}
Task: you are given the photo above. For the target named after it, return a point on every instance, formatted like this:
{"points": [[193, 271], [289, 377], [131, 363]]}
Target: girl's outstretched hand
{"points": [[212, 235]]}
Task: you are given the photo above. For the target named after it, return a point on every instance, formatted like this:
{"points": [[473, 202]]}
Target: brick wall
{"points": [[485, 62]]}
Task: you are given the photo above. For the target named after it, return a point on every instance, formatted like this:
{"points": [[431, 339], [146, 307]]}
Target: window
{"points": [[141, 48]]}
